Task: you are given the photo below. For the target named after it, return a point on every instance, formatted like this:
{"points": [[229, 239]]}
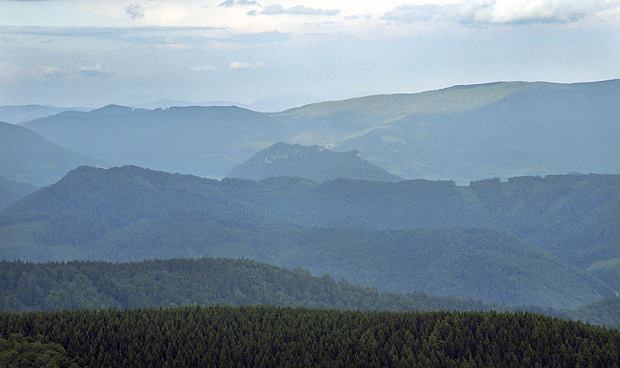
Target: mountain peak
{"points": [[316, 163]]}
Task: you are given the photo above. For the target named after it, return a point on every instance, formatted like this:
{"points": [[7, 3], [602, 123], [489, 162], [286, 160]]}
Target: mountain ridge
{"points": [[340, 227]]}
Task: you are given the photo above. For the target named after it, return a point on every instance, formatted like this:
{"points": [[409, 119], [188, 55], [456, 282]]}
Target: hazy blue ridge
{"points": [[204, 141], [476, 132]]}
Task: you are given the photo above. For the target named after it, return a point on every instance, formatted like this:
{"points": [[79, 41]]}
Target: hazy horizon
{"points": [[83, 53]]}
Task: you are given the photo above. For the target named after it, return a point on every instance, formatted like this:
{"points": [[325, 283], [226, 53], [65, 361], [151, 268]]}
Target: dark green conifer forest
{"points": [[263, 336]]}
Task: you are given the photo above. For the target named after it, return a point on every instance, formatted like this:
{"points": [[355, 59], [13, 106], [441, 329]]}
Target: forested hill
{"points": [[205, 281], [573, 216], [12, 191], [533, 237], [51, 286]]}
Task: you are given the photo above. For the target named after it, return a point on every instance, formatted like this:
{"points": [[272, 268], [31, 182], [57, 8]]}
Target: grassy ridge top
{"points": [[389, 107]]}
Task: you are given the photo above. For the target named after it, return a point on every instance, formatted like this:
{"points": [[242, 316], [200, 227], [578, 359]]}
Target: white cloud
{"points": [[12, 72], [236, 65], [92, 70], [136, 11], [47, 70], [262, 37], [417, 13], [535, 11], [204, 68], [239, 65], [172, 46]]}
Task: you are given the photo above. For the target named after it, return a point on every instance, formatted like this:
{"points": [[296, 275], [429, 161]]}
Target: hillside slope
{"points": [[204, 281], [264, 336]]}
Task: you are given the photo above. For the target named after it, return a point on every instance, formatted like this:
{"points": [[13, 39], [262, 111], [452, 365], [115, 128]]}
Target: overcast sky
{"points": [[96, 52]]}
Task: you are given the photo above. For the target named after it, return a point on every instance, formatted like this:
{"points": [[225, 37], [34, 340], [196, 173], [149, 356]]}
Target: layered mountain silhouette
{"points": [[462, 133], [523, 237], [312, 162]]}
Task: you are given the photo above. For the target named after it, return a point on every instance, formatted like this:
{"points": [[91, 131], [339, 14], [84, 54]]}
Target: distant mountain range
{"points": [[312, 162], [462, 133], [530, 240], [204, 141]]}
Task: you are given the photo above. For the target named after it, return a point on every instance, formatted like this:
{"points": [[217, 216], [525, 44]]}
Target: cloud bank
{"points": [[502, 11], [295, 10]]}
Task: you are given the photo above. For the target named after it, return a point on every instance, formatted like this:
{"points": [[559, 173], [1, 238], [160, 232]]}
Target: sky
{"points": [[270, 53]]}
